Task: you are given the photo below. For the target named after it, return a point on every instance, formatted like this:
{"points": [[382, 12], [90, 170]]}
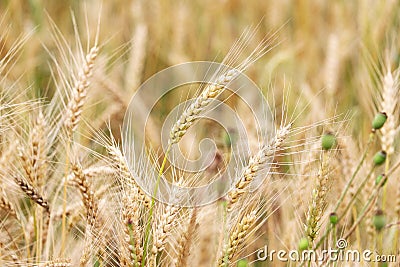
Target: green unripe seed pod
{"points": [[379, 120], [303, 244], [379, 158], [242, 263], [379, 179], [333, 218], [379, 220], [227, 139], [328, 141]]}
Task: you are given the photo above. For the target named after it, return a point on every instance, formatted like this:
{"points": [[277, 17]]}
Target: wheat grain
{"points": [[236, 238], [7, 206], [191, 114], [79, 92], [256, 162], [32, 193], [87, 194], [389, 103], [132, 251], [318, 200], [119, 163], [162, 230]]}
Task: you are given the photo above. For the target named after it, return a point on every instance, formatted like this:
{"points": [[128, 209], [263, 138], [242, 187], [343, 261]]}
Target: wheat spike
{"points": [[132, 251], [186, 241], [57, 263], [236, 238], [7, 206], [87, 194], [162, 231], [119, 163], [74, 108], [318, 200], [191, 114], [389, 104], [32, 193], [38, 149], [34, 158], [255, 163]]}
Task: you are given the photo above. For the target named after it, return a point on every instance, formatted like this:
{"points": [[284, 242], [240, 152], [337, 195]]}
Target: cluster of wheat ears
{"points": [[68, 196]]}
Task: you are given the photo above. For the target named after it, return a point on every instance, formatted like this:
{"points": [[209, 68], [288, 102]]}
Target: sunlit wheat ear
{"points": [[318, 199], [88, 200], [256, 163], [7, 206], [389, 105], [39, 149], [236, 238], [186, 241], [132, 252], [162, 230], [34, 156], [303, 184], [120, 164], [32, 193], [332, 65], [221, 82], [191, 114], [91, 206], [79, 92]]}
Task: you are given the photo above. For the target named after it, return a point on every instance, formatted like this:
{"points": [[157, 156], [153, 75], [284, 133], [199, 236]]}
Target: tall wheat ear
{"points": [[222, 79], [236, 238], [256, 163]]}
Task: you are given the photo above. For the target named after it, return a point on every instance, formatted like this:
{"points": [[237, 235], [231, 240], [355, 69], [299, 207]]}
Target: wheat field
{"points": [[299, 166]]}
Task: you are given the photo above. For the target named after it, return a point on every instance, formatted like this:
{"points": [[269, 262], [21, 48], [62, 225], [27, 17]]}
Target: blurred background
{"points": [[328, 51]]}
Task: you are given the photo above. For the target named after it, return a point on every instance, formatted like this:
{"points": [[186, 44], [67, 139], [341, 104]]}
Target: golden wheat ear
{"points": [[32, 193]]}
